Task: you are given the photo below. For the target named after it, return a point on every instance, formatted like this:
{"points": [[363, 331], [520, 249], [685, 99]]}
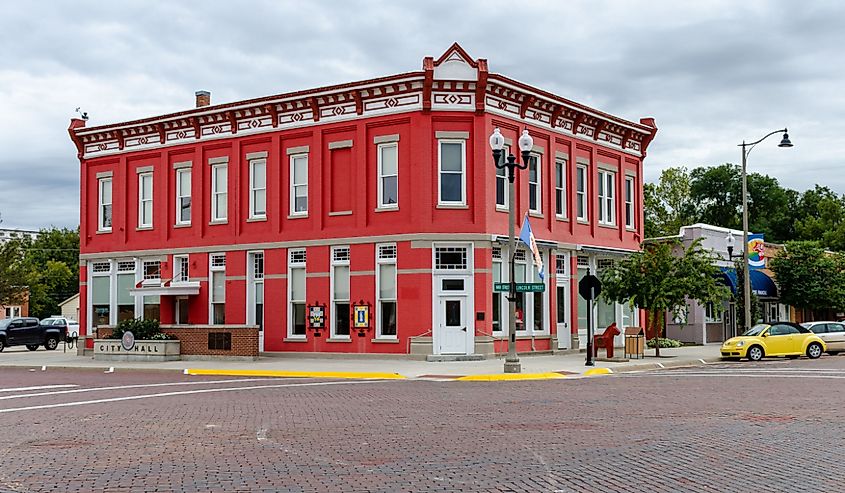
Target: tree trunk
{"points": [[652, 315]]}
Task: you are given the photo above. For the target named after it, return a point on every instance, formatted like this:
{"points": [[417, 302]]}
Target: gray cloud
{"points": [[711, 73]]}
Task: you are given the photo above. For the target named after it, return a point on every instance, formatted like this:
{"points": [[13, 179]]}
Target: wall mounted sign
{"points": [[317, 316], [128, 340], [361, 316]]}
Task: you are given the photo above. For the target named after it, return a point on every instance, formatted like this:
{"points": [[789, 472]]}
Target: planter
{"points": [[112, 350]]}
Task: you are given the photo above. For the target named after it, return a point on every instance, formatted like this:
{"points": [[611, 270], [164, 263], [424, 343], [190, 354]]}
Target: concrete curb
{"points": [[667, 364], [499, 377], [296, 374]]}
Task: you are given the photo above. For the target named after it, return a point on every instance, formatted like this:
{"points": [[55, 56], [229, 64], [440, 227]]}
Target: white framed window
{"points": [[217, 283], [500, 301], [258, 189], [255, 289], [581, 193], [180, 268], [145, 200], [100, 286], [388, 175], [560, 188], [629, 203], [296, 293], [450, 258], [531, 308], [152, 270], [712, 315], [502, 188], [386, 291], [341, 314], [535, 184], [607, 198], [451, 167], [104, 205], [219, 192], [299, 184], [183, 196]]}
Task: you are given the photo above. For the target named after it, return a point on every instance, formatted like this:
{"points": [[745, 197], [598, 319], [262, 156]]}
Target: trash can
{"points": [[634, 342]]}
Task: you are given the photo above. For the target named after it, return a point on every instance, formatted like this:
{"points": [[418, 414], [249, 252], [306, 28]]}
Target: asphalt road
{"points": [[772, 426]]}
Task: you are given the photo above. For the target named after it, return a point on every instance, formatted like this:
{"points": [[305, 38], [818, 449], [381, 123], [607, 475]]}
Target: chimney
{"points": [[203, 98]]}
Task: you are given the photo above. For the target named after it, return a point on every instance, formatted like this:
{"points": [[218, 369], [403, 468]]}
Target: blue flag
{"points": [[527, 236]]}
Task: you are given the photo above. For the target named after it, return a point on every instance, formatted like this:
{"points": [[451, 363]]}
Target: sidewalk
{"points": [[338, 367]]}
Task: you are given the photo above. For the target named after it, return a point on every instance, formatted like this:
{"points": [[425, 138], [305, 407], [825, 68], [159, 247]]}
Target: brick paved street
{"points": [[774, 426]]}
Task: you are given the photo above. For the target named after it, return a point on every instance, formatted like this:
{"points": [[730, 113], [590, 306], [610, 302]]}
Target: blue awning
{"points": [[761, 284]]}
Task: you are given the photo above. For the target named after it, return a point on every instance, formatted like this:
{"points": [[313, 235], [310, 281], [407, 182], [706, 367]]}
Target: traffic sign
{"points": [[589, 287], [521, 287]]}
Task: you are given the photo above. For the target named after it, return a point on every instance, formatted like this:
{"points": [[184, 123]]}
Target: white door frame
{"points": [[441, 323], [438, 294], [563, 280]]}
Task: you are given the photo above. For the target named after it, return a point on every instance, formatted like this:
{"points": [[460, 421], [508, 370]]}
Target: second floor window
{"points": [[388, 175], [502, 180], [145, 200], [535, 186], [451, 164], [299, 184], [607, 201], [219, 192], [629, 202], [183, 196], [104, 207], [258, 188], [581, 192], [560, 188]]}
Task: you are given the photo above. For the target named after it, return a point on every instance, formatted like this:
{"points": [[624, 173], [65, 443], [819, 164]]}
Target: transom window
{"points": [[583, 261], [450, 258], [560, 264], [126, 266], [340, 254], [218, 260], [297, 256], [100, 267], [258, 265], [386, 252], [152, 269]]}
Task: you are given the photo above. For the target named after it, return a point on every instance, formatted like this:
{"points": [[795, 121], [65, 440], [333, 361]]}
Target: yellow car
{"points": [[775, 339]]}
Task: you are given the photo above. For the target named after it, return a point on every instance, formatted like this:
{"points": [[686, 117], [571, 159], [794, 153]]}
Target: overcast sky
{"points": [[711, 73]]}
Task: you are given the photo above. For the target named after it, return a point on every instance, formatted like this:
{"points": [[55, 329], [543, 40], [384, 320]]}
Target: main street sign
{"points": [[521, 287]]}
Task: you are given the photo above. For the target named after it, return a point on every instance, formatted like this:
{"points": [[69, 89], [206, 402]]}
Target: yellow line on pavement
{"points": [[598, 371], [510, 376], [295, 374]]}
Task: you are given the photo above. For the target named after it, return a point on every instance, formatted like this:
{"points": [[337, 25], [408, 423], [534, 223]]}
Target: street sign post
{"points": [[589, 288], [521, 287]]}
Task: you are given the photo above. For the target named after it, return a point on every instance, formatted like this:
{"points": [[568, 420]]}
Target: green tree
{"points": [[717, 194], [667, 204], [51, 264], [809, 278], [662, 277], [820, 216], [14, 277]]}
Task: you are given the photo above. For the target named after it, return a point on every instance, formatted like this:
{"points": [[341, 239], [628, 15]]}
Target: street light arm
{"points": [[747, 146]]}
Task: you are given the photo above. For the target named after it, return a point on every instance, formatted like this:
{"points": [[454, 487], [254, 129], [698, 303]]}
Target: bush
{"points": [[143, 330], [665, 342]]}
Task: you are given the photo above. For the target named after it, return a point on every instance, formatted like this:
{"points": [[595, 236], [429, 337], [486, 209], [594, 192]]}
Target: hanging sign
{"points": [[756, 252]]}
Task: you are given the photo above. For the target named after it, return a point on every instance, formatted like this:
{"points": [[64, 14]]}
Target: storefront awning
{"points": [[761, 284], [190, 288]]}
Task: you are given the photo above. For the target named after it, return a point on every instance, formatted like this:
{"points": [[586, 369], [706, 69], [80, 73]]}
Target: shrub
{"points": [[665, 342], [143, 330]]}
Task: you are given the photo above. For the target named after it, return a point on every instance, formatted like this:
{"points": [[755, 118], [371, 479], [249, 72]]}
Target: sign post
{"points": [[589, 288]]}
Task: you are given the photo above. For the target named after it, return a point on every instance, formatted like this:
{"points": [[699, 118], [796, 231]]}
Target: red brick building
{"points": [[379, 194]]}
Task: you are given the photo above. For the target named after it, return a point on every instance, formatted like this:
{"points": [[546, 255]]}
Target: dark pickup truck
{"points": [[26, 331]]}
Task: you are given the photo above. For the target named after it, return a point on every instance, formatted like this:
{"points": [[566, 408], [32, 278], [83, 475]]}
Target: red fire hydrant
{"points": [[605, 340]]}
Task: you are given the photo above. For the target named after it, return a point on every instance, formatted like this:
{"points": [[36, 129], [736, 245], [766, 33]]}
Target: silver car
{"points": [[832, 333]]}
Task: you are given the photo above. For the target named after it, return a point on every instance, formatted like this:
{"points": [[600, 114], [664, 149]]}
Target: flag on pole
{"points": [[527, 236]]}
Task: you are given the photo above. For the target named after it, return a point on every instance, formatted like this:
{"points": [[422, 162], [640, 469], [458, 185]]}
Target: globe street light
{"points": [[497, 143], [746, 285]]}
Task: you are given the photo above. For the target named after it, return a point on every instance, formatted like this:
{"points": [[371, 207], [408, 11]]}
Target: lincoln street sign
{"points": [[521, 287]]}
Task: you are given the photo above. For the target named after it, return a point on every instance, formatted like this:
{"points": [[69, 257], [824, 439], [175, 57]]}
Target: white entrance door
{"points": [[564, 338], [453, 325]]}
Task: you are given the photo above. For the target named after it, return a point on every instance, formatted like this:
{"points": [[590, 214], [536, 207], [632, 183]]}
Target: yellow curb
{"points": [[510, 376], [295, 374], [598, 371]]}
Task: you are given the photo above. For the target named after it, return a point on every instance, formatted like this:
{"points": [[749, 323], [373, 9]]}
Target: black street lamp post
{"points": [[497, 143]]}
